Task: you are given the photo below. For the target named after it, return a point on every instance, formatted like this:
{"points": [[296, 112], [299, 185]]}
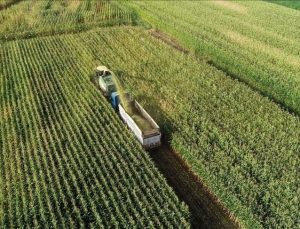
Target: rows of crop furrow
{"points": [[114, 50], [247, 24], [12, 100], [58, 160], [194, 21], [2, 146], [61, 171], [212, 111], [212, 38], [108, 12], [14, 108], [217, 96], [78, 160], [68, 132], [263, 63], [53, 17], [276, 15], [196, 34], [153, 67], [5, 173], [219, 122], [68, 55], [249, 28], [3, 115], [243, 122], [30, 147], [54, 143], [36, 143]]}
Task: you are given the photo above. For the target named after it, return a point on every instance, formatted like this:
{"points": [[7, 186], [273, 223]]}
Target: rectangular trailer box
{"points": [[142, 125]]}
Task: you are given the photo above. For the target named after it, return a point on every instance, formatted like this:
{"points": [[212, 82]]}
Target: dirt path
{"points": [[206, 212], [167, 39]]}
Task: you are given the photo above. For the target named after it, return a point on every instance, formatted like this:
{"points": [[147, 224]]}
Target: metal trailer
{"points": [[149, 137]]}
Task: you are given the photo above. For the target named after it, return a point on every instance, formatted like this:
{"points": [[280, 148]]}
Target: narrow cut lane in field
{"points": [[206, 211]]}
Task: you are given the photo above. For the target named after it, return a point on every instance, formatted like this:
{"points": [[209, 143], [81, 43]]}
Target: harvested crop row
{"points": [[66, 158]]}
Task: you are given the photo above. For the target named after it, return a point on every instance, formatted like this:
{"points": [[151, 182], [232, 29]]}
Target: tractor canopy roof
{"points": [[102, 68]]}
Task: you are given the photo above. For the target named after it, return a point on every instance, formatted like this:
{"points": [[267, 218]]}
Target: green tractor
{"points": [[105, 79]]}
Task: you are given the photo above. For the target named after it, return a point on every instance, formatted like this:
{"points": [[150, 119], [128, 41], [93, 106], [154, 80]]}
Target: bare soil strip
{"points": [[168, 40], [206, 211]]}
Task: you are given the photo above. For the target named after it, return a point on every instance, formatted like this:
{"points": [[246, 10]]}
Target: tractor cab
{"points": [[105, 79]]}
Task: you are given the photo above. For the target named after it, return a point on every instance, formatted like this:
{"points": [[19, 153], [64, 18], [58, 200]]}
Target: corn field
{"points": [[254, 41], [244, 146], [33, 18], [66, 158]]}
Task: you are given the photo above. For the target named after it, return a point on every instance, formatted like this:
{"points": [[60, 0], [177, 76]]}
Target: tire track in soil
{"points": [[205, 210]]}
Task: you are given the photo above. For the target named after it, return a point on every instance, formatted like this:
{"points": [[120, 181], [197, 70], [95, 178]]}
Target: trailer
{"points": [[138, 121]]}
